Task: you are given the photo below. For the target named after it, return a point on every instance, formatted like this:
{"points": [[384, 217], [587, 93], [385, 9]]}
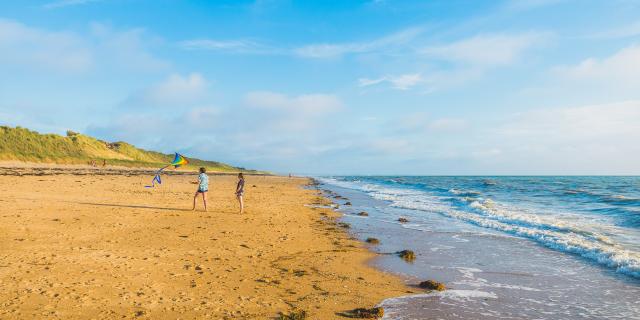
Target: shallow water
{"points": [[508, 247]]}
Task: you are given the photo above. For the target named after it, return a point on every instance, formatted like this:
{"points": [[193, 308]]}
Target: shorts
{"points": [[202, 190], [240, 194]]}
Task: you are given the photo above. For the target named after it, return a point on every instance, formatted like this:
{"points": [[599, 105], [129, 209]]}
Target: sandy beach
{"points": [[85, 244]]}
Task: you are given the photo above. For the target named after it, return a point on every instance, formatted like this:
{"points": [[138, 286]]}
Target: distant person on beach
{"points": [[240, 191], [203, 187]]}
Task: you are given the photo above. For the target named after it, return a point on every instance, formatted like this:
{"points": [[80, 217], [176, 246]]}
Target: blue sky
{"points": [[336, 87]]}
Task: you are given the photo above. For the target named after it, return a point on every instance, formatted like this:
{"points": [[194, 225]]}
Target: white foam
{"points": [[572, 236], [452, 294]]}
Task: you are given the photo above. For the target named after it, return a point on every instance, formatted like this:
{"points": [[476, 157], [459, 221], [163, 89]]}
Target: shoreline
{"points": [[515, 278], [92, 245]]}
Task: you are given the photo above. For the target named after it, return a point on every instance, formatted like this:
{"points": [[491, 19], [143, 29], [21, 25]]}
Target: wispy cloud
{"points": [[67, 3], [487, 50], [620, 69], [335, 50], [313, 51], [400, 82], [233, 46]]}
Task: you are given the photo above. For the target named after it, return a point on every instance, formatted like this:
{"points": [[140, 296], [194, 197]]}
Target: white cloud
{"points": [[336, 50], [35, 48], [308, 104], [586, 123], [406, 81], [486, 50], [175, 91], [67, 3], [576, 140], [619, 69], [365, 82], [39, 50], [400, 82]]}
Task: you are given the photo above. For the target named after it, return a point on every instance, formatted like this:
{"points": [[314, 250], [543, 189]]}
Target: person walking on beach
{"points": [[240, 191], [203, 187]]}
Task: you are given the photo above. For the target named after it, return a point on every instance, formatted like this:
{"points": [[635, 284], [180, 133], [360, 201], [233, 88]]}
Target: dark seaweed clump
{"points": [[373, 240], [407, 255], [432, 285], [364, 313]]}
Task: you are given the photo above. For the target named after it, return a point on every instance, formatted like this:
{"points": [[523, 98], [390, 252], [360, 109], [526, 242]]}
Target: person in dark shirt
{"points": [[240, 191]]}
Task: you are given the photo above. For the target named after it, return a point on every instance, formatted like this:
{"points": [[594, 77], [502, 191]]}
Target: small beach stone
{"points": [[363, 214], [432, 285]]}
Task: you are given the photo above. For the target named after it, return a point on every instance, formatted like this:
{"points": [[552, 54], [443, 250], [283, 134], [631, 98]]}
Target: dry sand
{"points": [[104, 247]]}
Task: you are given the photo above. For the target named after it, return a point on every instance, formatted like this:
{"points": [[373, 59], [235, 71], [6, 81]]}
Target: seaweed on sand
{"points": [[293, 315], [407, 255], [364, 313]]}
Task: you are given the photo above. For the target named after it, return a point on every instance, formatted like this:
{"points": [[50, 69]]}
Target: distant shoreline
{"points": [[40, 168]]}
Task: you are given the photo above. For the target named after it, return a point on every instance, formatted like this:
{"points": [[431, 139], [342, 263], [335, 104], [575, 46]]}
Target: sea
{"points": [[539, 247]]}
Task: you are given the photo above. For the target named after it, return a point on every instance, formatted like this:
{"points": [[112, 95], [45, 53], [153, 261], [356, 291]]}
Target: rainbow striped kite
{"points": [[178, 161]]}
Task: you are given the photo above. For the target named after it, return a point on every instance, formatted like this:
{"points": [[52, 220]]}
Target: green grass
{"points": [[25, 145]]}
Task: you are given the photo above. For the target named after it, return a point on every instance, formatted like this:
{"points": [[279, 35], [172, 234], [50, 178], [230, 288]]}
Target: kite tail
{"points": [[156, 178]]}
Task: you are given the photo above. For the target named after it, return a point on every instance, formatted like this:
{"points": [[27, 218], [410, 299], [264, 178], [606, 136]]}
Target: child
{"points": [[240, 191], [203, 187]]}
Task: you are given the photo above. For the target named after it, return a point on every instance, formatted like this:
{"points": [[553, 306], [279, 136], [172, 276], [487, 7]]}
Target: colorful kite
{"points": [[178, 161]]}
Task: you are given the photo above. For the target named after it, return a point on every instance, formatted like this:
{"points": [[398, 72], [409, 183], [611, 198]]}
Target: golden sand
{"points": [[104, 247]]}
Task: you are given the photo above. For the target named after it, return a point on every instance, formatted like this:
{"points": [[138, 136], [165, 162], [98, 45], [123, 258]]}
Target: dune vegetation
{"points": [[20, 144]]}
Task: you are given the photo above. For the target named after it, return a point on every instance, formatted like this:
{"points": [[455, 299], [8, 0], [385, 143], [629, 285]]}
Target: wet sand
{"points": [[85, 244]]}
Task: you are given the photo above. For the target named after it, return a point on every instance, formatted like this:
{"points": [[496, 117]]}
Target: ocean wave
{"points": [[610, 255], [621, 199], [465, 193], [550, 231], [494, 211]]}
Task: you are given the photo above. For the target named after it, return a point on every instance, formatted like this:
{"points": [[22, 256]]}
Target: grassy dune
{"points": [[25, 145]]}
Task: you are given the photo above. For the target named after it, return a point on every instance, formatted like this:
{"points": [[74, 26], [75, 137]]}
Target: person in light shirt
{"points": [[203, 187]]}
